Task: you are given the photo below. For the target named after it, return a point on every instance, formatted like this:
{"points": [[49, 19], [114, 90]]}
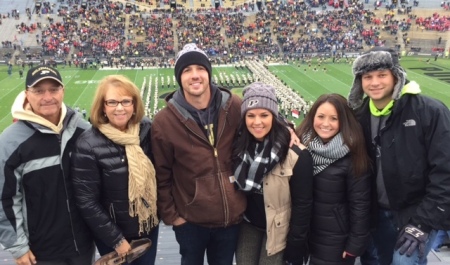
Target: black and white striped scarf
{"points": [[324, 155], [255, 163]]}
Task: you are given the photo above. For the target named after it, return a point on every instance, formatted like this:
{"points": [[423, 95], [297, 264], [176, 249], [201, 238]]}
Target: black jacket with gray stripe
{"points": [[37, 209]]}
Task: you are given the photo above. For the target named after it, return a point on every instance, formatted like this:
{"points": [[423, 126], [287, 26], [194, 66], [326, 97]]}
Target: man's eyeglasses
{"points": [[115, 103], [40, 91]]}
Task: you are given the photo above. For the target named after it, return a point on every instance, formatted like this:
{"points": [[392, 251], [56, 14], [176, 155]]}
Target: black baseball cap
{"points": [[42, 72]]}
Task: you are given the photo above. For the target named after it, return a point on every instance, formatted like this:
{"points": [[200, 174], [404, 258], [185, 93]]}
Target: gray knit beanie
{"points": [[259, 96], [378, 58], [191, 54]]}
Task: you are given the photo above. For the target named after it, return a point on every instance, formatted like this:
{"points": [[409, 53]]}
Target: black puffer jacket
{"points": [[100, 178], [340, 220]]}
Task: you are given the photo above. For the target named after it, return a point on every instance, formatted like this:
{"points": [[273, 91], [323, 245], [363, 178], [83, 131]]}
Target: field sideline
{"points": [[432, 76]]}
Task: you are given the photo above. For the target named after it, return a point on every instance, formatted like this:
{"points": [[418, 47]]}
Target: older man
{"points": [[39, 222]]}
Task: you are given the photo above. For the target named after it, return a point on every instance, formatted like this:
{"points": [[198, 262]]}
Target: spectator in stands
{"points": [[341, 207], [412, 202], [113, 177], [39, 221], [277, 181]]}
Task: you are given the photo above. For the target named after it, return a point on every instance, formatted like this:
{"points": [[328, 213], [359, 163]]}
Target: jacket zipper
{"points": [[224, 199], [67, 197]]}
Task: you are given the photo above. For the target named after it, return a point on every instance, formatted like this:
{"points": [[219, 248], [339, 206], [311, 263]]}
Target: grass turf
{"points": [[432, 76]]}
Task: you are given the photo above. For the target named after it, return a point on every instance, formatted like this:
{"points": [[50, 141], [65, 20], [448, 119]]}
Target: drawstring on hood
{"points": [[207, 118], [378, 58]]}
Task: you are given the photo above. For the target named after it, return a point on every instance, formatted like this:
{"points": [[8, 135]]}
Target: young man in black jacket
{"points": [[408, 138]]}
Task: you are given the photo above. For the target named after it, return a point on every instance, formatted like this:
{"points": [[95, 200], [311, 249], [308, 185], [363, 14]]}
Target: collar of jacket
{"points": [[410, 88], [225, 104]]}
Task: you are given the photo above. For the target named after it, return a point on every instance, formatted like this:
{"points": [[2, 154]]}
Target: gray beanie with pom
{"points": [[258, 95], [378, 58]]}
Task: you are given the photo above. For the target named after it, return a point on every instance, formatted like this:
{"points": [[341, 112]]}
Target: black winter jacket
{"points": [[38, 210], [340, 220], [415, 148], [100, 178]]}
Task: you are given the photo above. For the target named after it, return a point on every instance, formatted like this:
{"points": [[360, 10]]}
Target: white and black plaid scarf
{"points": [[255, 163], [324, 155]]}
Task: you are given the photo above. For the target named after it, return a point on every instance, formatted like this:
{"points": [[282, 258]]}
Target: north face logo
{"points": [[252, 103], [409, 123]]}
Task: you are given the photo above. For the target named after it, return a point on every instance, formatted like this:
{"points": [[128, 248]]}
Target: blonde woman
{"points": [[113, 175]]}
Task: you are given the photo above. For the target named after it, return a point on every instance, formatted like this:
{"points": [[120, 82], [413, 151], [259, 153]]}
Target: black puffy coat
{"points": [[100, 178], [340, 220]]}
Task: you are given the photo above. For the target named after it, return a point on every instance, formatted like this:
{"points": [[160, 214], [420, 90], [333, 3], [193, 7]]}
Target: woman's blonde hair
{"points": [[124, 87]]}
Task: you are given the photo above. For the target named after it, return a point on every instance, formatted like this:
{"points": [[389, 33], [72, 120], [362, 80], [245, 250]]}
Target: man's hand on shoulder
{"points": [[27, 259]]}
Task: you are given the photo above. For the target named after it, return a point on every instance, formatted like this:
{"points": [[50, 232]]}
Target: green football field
{"points": [[433, 77]]}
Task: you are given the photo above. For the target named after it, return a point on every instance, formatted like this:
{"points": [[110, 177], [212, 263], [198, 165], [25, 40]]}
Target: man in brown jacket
{"points": [[192, 145]]}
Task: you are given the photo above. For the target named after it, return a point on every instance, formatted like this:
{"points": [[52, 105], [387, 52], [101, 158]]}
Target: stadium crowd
{"points": [[115, 32]]}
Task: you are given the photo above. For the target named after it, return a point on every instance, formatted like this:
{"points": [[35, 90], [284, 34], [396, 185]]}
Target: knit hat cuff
{"points": [[190, 58]]}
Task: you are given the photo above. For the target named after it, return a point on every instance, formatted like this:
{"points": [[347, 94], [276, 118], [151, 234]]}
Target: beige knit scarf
{"points": [[141, 179]]}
